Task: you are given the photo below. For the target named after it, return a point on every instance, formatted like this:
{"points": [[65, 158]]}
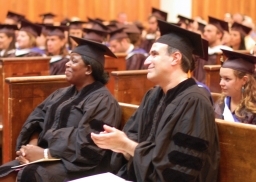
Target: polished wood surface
{"points": [[114, 64], [105, 9], [218, 8], [212, 77], [24, 66], [24, 94], [237, 149], [131, 86], [127, 111]]}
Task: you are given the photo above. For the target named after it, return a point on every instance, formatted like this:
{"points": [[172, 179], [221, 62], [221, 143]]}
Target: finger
{"points": [[108, 128], [22, 152]]}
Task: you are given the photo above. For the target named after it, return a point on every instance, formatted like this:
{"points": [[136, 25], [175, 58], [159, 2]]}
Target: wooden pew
{"points": [[236, 140], [131, 86], [24, 94], [114, 64], [25, 66], [212, 79]]}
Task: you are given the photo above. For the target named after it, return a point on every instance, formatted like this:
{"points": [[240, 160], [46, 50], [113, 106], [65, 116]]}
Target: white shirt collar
{"points": [[131, 47], [20, 52]]}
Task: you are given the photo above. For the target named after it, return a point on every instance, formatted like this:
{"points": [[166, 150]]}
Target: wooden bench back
{"points": [[25, 66], [212, 77], [114, 64], [24, 94], [131, 86]]}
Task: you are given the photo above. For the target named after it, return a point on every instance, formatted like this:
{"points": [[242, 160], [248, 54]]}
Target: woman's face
{"points": [[229, 83], [235, 38], [4, 41], [54, 44], [23, 40], [76, 70]]}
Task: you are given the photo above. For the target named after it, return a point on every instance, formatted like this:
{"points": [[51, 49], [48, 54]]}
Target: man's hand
{"points": [[29, 153], [114, 140]]}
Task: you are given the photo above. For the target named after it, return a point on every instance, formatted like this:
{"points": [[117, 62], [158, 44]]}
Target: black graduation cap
{"points": [[183, 19], [187, 42], [31, 27], [7, 27], [159, 14], [15, 16], [241, 28], [220, 24], [131, 29], [52, 30], [201, 26], [76, 24], [139, 25], [239, 61], [99, 19], [118, 34], [92, 49], [47, 15], [65, 22], [97, 32]]}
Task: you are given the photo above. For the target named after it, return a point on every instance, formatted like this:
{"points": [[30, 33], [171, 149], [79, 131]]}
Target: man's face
{"points": [[116, 46], [152, 24], [210, 33], [158, 63]]}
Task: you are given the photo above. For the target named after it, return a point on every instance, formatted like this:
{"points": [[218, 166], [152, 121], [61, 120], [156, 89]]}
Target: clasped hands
{"points": [[29, 153], [115, 140]]}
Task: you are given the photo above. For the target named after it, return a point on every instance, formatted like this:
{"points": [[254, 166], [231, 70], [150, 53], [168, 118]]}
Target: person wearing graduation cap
{"points": [[48, 18], [56, 48], [75, 29], [213, 33], [172, 136], [26, 40], [98, 32], [60, 126], [7, 39], [238, 101], [119, 42], [13, 18], [238, 33], [185, 22], [152, 33]]}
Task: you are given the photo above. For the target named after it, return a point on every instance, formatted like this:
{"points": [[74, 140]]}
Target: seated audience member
{"points": [[238, 18], [172, 136], [75, 29], [186, 23], [26, 40], [134, 34], [7, 39], [60, 126], [47, 18], [238, 33], [98, 32], [120, 43], [152, 32], [238, 101], [13, 18], [56, 48], [122, 18]]}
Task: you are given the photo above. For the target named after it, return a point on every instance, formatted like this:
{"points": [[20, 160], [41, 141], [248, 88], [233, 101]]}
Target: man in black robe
{"points": [[172, 136]]}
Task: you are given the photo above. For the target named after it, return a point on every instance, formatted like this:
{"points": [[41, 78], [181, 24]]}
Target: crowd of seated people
{"points": [[79, 125]]}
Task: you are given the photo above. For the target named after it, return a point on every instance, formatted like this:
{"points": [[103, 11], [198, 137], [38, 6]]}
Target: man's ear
{"points": [[177, 56]]}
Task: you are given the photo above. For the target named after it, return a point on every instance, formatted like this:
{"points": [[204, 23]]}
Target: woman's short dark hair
{"points": [[98, 72]]}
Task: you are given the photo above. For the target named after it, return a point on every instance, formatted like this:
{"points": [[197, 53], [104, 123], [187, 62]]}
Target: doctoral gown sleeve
{"points": [[185, 145], [135, 62], [73, 144]]}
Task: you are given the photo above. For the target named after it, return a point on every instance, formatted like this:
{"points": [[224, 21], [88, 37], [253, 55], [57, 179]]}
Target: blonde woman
{"points": [[238, 101]]}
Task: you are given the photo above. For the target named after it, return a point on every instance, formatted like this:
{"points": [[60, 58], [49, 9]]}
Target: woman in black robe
{"points": [[60, 126]]}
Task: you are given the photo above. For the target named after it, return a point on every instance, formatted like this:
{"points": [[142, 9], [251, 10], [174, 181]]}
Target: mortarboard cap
{"points": [[31, 28], [139, 25], [8, 27], [187, 42], [159, 14], [55, 30], [76, 24], [184, 19], [201, 26], [220, 24], [131, 29], [239, 61], [97, 32], [65, 22], [92, 49], [99, 19], [15, 16], [47, 15], [241, 28], [118, 34]]}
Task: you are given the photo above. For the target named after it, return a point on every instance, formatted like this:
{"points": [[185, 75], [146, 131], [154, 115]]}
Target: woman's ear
{"points": [[88, 70], [245, 79]]}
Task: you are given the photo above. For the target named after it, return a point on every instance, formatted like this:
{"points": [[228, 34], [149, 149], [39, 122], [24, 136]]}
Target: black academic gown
{"points": [[135, 59], [177, 136], [65, 121], [58, 66]]}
